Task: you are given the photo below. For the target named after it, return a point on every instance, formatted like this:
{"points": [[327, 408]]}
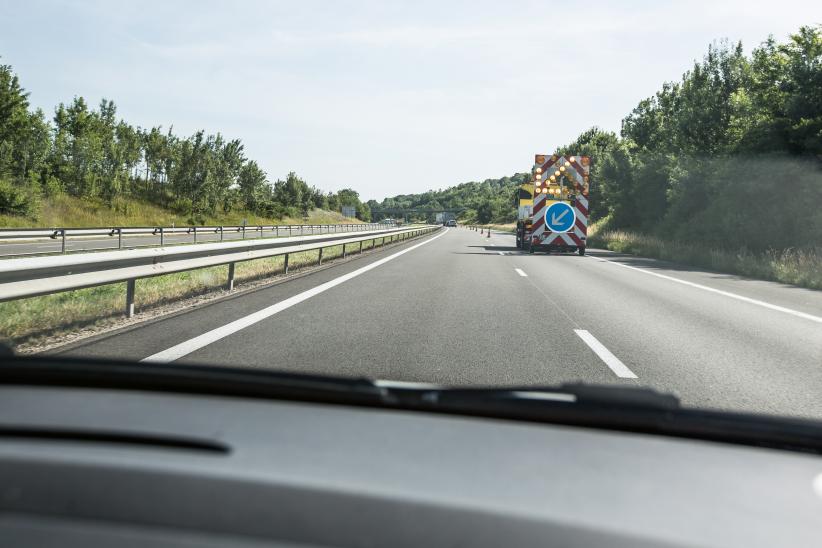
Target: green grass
{"points": [[28, 320], [508, 227], [791, 266], [63, 210]]}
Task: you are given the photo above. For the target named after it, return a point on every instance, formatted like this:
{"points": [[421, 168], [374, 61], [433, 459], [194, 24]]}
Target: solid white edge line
{"points": [[187, 347], [619, 368], [521, 272], [749, 300]]}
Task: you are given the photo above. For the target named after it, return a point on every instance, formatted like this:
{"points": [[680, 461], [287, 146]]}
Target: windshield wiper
{"points": [[191, 379], [626, 409], [610, 407], [577, 393]]}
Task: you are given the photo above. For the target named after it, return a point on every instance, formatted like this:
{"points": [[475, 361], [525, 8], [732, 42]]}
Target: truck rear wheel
{"points": [[581, 250]]}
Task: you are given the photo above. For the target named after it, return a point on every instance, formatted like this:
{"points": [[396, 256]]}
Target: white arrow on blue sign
{"points": [[559, 217]]}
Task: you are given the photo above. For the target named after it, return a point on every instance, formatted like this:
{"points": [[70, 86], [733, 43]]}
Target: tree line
{"points": [[90, 153], [729, 156]]}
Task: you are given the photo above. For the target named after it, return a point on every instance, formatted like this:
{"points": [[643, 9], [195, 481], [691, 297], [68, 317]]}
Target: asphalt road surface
{"points": [[461, 309], [10, 248]]}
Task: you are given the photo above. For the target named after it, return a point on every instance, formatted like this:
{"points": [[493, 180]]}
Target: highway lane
{"points": [[468, 310], [10, 248]]}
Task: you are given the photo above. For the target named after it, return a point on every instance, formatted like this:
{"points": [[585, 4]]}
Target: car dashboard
{"points": [[101, 467]]}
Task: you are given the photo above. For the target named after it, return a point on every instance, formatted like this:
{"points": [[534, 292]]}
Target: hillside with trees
{"points": [[92, 155], [491, 200], [728, 157]]}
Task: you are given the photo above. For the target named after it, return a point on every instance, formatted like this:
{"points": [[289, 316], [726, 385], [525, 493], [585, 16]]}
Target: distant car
{"points": [[452, 222]]}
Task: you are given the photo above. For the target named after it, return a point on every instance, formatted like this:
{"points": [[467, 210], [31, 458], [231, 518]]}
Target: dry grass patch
{"points": [[801, 267]]}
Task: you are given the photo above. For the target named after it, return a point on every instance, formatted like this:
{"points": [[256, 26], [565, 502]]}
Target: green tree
{"points": [[253, 186]]}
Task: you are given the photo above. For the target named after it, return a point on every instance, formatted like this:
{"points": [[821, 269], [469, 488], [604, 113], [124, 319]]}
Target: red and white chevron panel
{"points": [[577, 171]]}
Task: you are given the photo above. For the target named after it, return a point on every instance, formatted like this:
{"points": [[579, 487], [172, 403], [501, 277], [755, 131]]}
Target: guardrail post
{"points": [[344, 251], [130, 286], [302, 229], [285, 266], [221, 234], [63, 236], [195, 234], [230, 284], [162, 237], [320, 257], [243, 232], [277, 230], [119, 238], [360, 248]]}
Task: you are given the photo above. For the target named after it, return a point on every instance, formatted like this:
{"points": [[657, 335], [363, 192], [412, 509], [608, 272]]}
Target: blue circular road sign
{"points": [[559, 217]]}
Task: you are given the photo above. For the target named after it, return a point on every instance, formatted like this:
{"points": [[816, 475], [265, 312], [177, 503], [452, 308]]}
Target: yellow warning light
{"points": [[571, 159], [554, 157], [562, 168], [538, 177], [539, 170], [552, 178], [557, 173]]}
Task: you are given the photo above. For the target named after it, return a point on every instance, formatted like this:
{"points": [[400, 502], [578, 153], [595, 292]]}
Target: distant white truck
{"points": [[446, 217]]}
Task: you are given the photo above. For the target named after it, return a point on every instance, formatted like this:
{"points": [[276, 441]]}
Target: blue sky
{"points": [[384, 97]]}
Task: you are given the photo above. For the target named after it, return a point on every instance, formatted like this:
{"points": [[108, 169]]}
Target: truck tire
{"points": [[531, 248], [581, 251]]}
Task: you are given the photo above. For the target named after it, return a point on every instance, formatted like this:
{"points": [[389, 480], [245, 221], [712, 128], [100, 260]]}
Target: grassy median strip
{"points": [[27, 320], [799, 267]]}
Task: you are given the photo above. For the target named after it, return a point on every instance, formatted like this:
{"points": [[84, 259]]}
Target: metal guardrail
{"points": [[31, 277], [259, 231]]}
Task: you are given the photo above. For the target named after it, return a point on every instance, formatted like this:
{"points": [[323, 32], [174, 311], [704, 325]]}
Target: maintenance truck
{"points": [[552, 207]]}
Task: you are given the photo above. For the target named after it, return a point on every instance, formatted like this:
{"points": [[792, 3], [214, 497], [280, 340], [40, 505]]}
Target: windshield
{"points": [[471, 195]]}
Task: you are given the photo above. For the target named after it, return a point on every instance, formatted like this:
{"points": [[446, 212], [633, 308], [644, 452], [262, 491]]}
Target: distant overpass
{"points": [[405, 212]]}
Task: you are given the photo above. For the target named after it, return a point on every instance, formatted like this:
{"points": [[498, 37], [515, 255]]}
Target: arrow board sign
{"points": [[559, 217]]}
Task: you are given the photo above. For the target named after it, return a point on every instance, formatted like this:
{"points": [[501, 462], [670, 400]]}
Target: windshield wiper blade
{"points": [[193, 379], [620, 408], [608, 407], [578, 393]]}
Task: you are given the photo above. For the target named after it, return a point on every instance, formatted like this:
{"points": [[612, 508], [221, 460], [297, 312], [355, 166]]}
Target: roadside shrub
{"points": [[182, 205], [18, 200]]}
